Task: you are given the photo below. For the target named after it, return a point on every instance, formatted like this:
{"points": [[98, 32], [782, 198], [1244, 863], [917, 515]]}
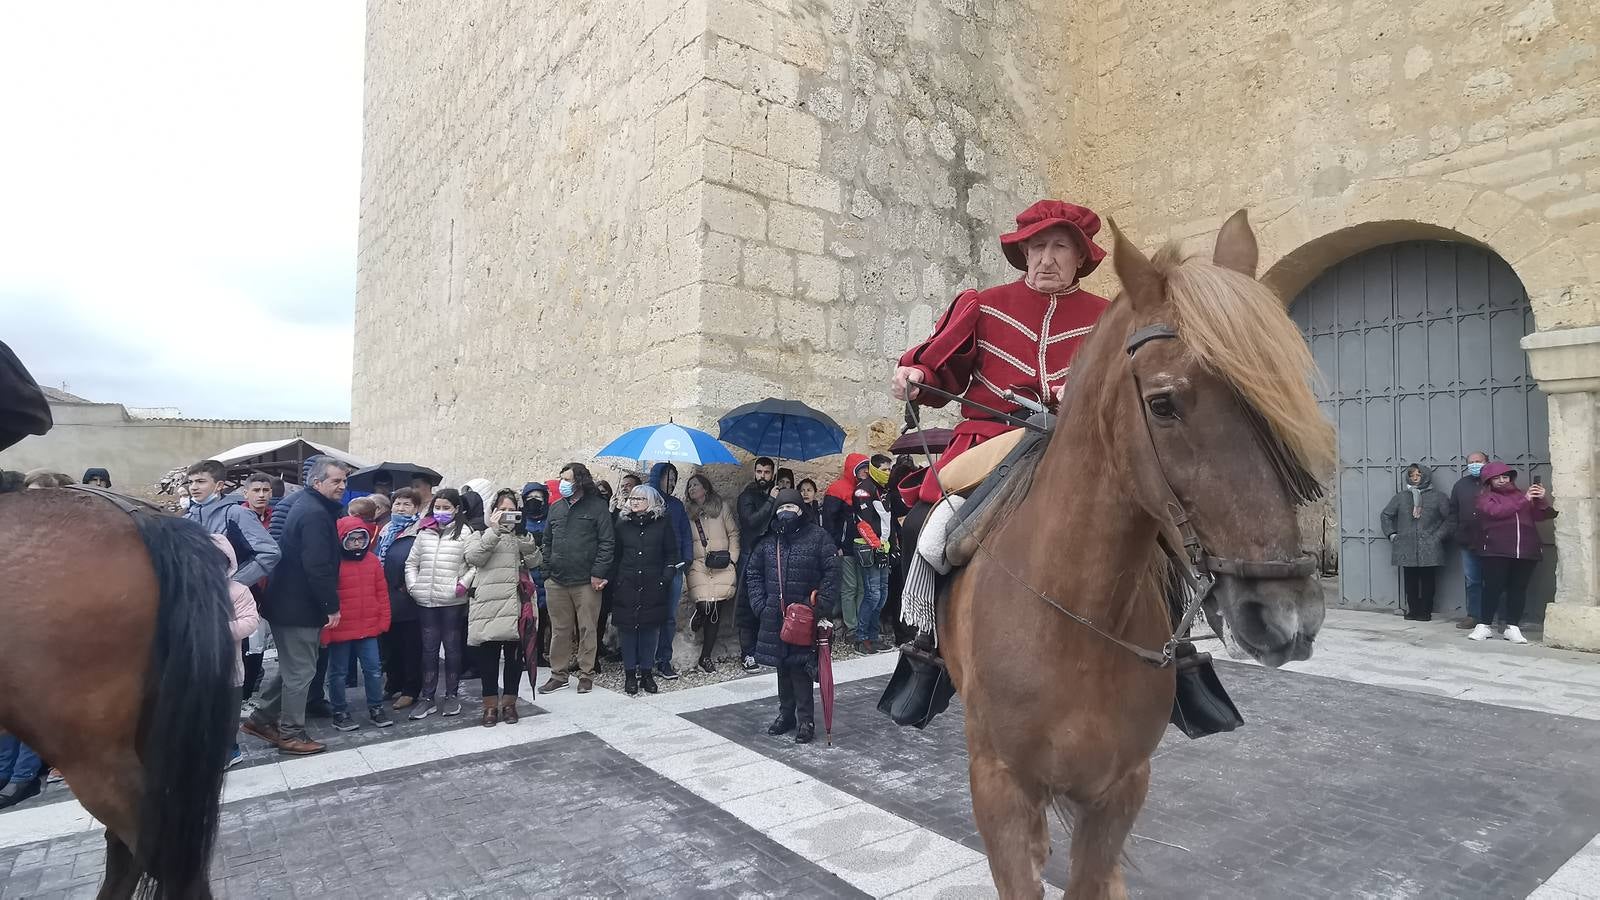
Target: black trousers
{"points": [[794, 692], [318, 690], [1420, 582], [710, 626], [402, 658], [1505, 587], [491, 671], [744, 618]]}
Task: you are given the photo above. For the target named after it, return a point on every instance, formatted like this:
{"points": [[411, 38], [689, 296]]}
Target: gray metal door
{"points": [[1418, 347]]}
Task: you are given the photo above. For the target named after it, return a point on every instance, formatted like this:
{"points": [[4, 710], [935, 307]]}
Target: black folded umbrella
{"points": [[400, 475]]}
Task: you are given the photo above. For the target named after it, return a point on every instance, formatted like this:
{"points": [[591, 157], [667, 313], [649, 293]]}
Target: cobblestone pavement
{"points": [[1421, 765], [1331, 790], [508, 822]]}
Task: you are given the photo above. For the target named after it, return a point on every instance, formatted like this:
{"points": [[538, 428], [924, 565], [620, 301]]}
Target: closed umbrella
{"points": [[528, 630], [934, 440], [825, 679], [787, 429], [669, 443]]}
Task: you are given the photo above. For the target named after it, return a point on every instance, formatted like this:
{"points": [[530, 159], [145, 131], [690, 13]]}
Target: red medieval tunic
{"points": [[1010, 337]]}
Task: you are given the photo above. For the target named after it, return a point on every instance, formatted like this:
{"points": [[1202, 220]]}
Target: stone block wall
{"points": [[860, 158], [529, 254]]}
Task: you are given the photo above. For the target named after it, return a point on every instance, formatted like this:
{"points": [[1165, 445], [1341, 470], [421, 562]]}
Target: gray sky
{"points": [[180, 202]]}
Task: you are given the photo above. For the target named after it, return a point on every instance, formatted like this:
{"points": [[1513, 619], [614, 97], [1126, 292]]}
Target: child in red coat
{"points": [[363, 615]]}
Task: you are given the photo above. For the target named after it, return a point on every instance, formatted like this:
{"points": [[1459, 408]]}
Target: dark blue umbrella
{"points": [[787, 429]]}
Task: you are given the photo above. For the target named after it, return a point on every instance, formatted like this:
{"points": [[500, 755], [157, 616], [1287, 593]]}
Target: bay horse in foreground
{"points": [[116, 665], [1189, 412]]}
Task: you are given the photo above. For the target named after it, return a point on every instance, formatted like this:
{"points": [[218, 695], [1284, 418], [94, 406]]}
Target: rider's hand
{"points": [[905, 379], [1058, 393]]}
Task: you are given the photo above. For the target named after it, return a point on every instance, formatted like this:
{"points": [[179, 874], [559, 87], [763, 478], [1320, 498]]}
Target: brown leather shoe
{"points": [[508, 709], [261, 728], [404, 701], [491, 711], [299, 745], [553, 684], [585, 684]]}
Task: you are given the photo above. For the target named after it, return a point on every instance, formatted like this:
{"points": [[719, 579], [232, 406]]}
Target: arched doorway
{"points": [[1418, 347]]}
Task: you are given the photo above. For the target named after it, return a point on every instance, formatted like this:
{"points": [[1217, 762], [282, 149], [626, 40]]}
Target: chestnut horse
{"points": [[1192, 396], [116, 665]]}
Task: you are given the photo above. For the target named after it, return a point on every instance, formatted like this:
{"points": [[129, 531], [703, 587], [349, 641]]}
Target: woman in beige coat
{"points": [[500, 555], [713, 575]]}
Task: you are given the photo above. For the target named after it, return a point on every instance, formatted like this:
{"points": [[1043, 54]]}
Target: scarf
{"points": [[397, 524]]}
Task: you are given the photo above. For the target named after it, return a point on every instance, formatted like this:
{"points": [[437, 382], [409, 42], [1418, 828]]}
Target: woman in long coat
{"points": [[500, 555], [1418, 521], [647, 561], [714, 534]]}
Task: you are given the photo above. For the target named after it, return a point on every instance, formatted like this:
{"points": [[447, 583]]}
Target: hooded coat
{"points": [[1418, 541], [785, 569], [676, 514], [647, 551], [500, 557], [245, 616], [838, 503], [363, 595], [1506, 518]]}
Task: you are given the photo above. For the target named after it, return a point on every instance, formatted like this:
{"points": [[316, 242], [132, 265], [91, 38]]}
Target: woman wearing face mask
{"points": [[1510, 547], [500, 555], [1418, 522], [535, 512], [647, 561], [793, 563], [402, 644], [436, 571], [712, 578]]}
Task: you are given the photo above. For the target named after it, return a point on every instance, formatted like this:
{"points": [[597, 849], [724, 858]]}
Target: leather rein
{"points": [[1197, 568]]}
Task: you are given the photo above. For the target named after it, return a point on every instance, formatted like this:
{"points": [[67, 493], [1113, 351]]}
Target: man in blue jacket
{"points": [[302, 598], [664, 478], [255, 549]]}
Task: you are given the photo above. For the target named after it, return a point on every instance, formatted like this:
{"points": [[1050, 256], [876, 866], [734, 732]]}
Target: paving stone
{"points": [[1332, 789], [565, 817]]}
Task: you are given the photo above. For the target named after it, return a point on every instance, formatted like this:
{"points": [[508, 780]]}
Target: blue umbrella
{"points": [[787, 429], [669, 443]]}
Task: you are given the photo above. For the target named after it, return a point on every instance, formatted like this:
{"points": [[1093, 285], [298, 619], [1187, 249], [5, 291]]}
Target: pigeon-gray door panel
{"points": [[1419, 349]]}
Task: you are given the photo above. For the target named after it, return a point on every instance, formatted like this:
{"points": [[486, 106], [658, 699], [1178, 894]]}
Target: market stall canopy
{"points": [[283, 458]]}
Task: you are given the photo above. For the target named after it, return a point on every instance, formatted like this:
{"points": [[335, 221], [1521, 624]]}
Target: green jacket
{"points": [[579, 541]]}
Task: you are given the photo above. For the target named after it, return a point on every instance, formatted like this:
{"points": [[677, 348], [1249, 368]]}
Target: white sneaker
{"points": [[1481, 633], [1514, 635]]}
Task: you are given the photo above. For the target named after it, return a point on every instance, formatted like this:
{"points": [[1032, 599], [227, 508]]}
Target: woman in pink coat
{"points": [[245, 620], [1509, 546]]}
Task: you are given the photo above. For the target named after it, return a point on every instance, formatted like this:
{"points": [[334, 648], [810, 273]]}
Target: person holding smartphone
{"points": [[501, 554], [1511, 547]]}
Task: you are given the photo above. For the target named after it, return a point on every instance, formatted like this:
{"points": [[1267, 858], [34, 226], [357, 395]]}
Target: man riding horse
{"points": [[1012, 341]]}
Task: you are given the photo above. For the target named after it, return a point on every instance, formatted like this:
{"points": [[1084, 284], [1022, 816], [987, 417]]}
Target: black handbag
{"points": [[919, 689], [715, 559]]}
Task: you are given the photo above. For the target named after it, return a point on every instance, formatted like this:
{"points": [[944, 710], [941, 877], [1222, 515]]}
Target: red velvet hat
{"points": [[1080, 220]]}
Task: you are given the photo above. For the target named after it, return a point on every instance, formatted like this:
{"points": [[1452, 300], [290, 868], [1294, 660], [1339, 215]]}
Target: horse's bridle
{"points": [[1194, 565]]}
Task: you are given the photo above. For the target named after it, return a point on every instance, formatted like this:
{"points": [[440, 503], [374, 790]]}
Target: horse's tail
{"points": [[190, 706]]}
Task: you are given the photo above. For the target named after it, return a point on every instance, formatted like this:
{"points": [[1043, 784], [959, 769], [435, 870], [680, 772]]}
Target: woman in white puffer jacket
{"points": [[436, 577]]}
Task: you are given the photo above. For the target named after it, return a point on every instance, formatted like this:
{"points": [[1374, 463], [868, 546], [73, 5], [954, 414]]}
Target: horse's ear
{"points": [[1236, 246], [1139, 277]]}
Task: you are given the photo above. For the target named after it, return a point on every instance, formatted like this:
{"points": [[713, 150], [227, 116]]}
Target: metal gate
{"points": [[1418, 344]]}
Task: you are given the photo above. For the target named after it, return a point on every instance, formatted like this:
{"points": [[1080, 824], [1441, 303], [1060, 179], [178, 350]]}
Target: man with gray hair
{"points": [[302, 598], [1464, 507]]}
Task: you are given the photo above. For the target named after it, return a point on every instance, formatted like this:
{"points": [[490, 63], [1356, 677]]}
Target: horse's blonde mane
{"points": [[1238, 329]]}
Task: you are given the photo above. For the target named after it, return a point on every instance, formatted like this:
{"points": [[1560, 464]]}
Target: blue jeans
{"points": [[1474, 575], [18, 762], [874, 593], [669, 630], [638, 647], [365, 650]]}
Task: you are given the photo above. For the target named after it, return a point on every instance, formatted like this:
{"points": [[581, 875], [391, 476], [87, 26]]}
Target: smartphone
{"points": [[1538, 479]]}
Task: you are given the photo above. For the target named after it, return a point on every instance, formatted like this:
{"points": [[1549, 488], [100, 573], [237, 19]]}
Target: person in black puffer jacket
{"points": [[648, 558], [794, 559]]}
